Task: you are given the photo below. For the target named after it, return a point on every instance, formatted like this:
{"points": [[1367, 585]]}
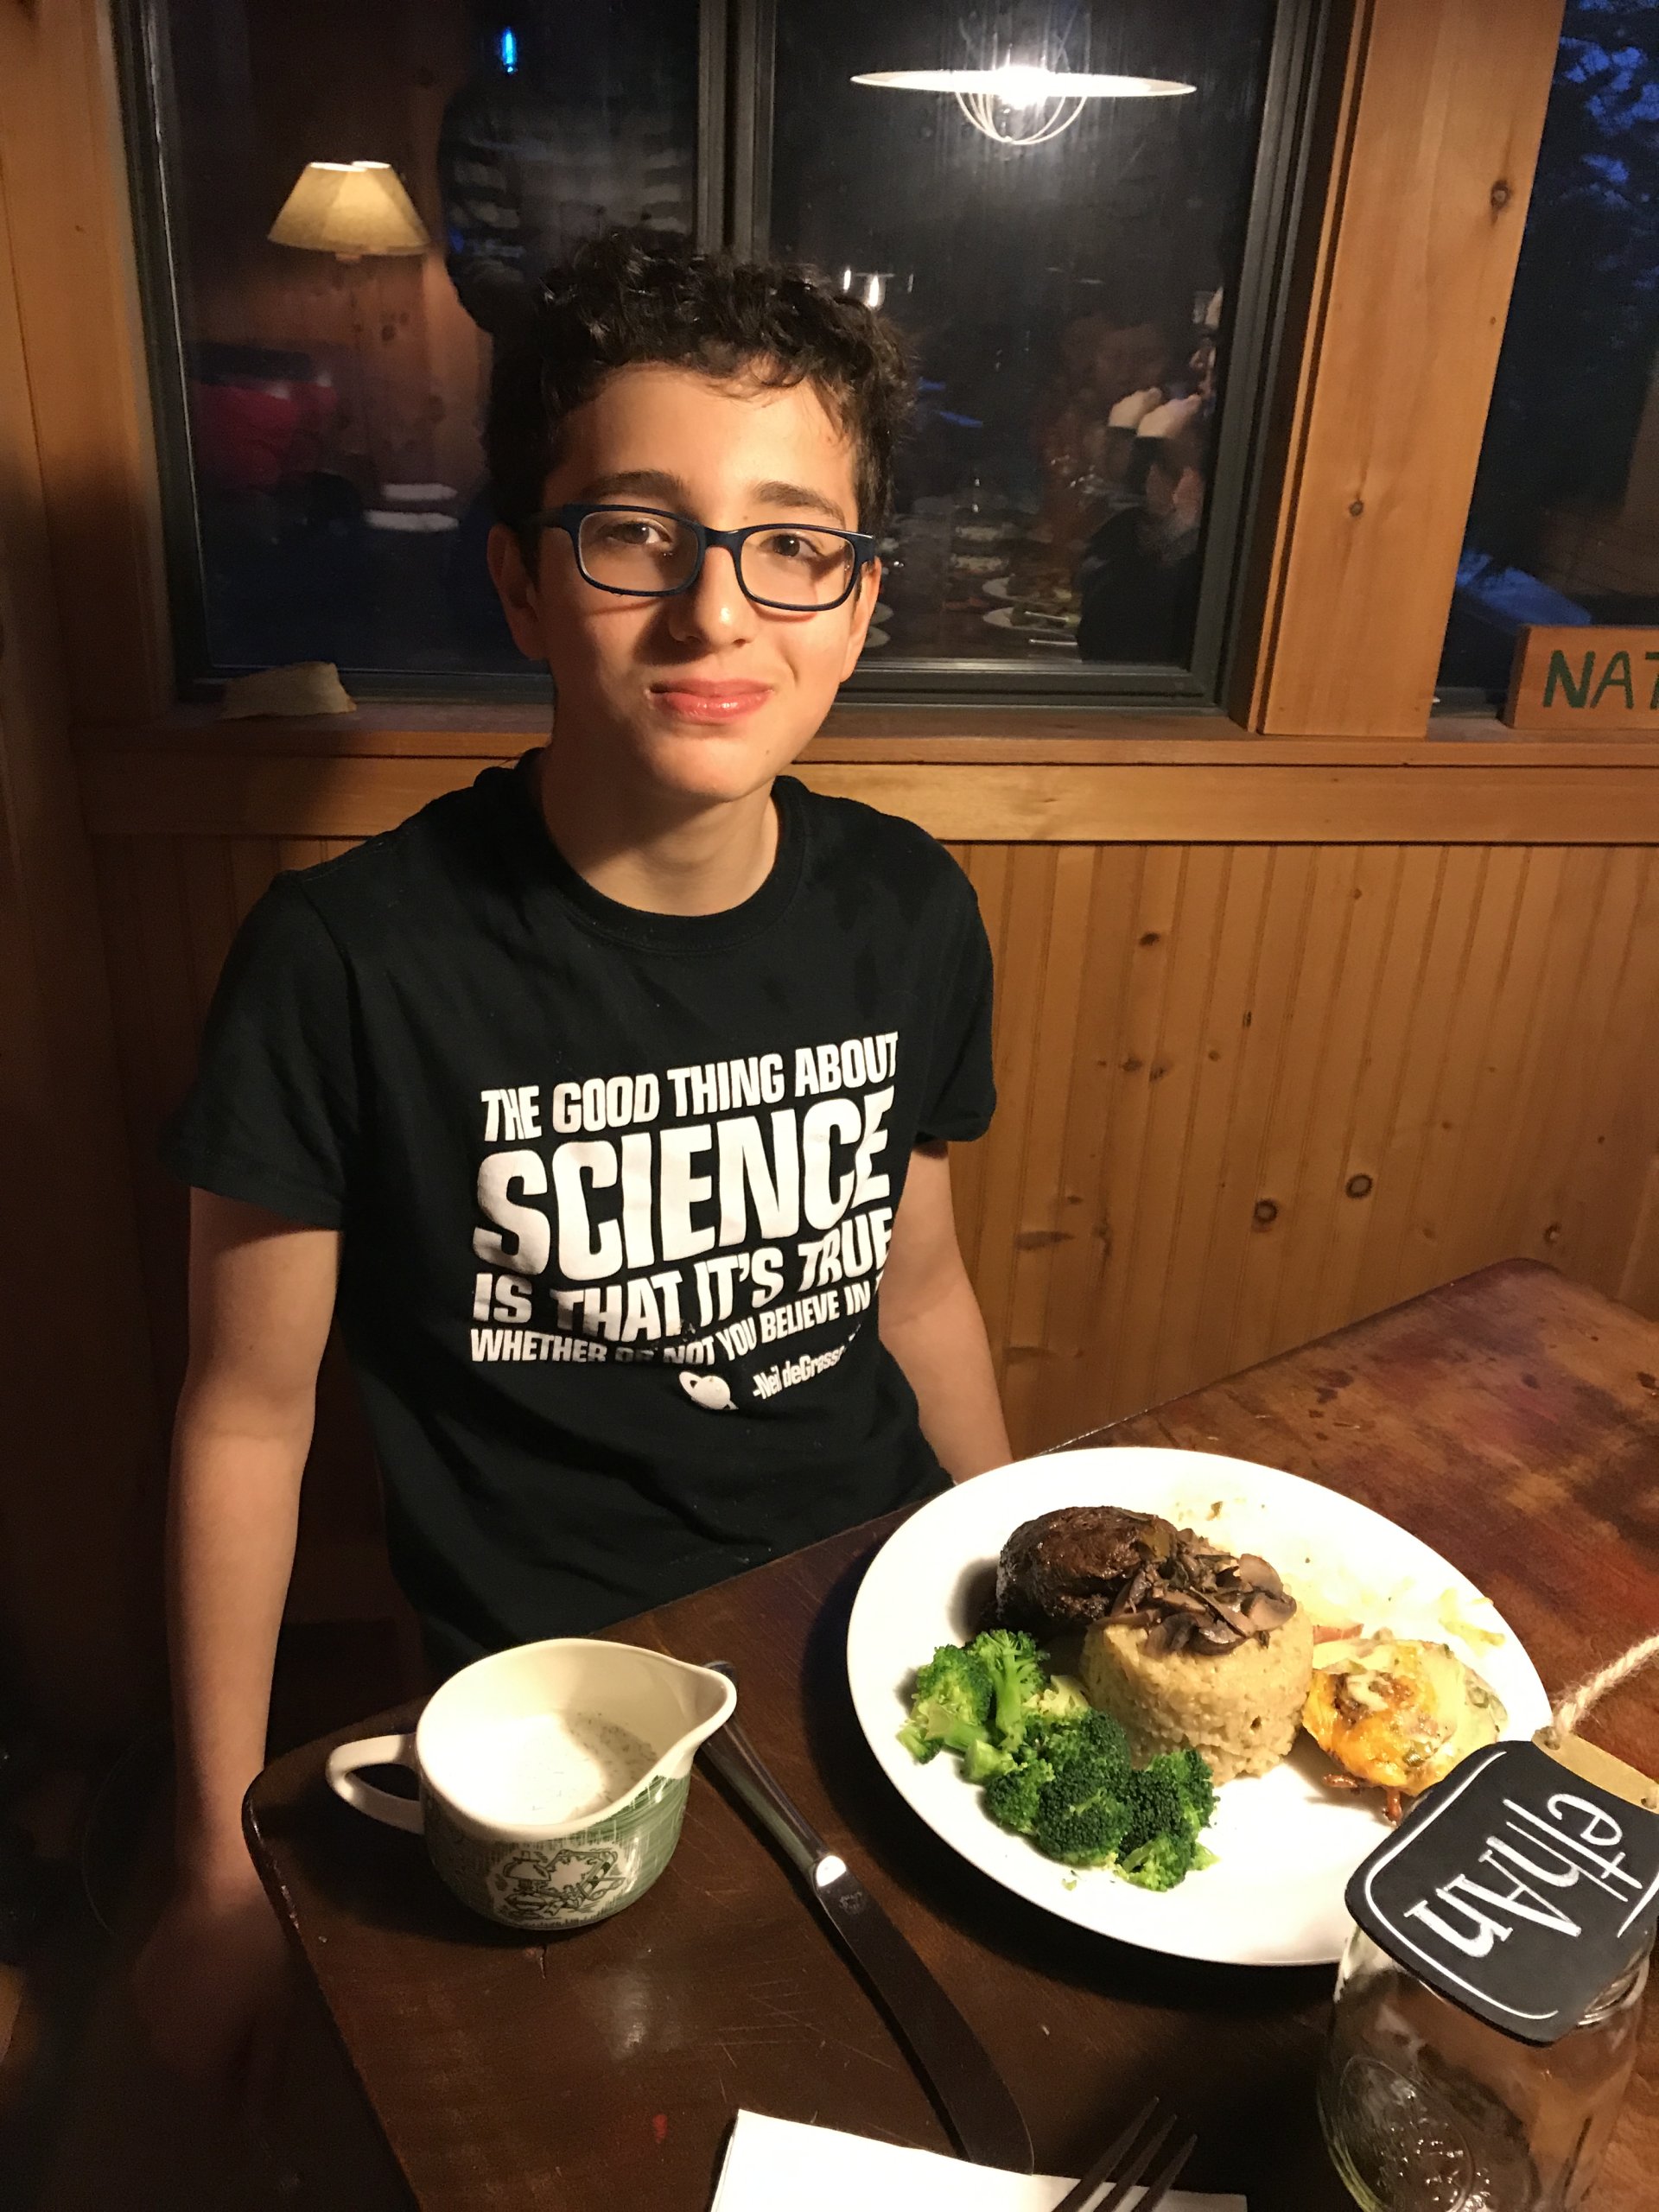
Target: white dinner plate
{"points": [[1001, 618], [1284, 1844]]}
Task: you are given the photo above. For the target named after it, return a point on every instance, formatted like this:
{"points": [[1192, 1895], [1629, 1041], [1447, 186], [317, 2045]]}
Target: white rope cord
{"points": [[1578, 1700]]}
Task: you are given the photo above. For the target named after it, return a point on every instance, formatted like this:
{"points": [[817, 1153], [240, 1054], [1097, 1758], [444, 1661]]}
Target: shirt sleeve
{"points": [[961, 1096], [272, 1117]]}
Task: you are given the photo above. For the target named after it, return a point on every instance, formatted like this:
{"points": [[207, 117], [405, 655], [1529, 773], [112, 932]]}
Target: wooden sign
{"points": [[1594, 680], [1516, 1888]]}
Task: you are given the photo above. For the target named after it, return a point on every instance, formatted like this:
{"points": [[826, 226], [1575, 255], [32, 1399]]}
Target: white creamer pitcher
{"points": [[483, 1833]]}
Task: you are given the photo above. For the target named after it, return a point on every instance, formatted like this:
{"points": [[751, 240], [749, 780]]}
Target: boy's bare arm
{"points": [[931, 1323], [262, 1295]]}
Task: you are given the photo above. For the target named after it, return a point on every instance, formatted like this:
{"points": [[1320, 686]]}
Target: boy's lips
{"points": [[709, 699]]}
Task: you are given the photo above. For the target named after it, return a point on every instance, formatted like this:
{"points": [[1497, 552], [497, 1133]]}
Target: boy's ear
{"points": [[516, 588], [869, 590]]}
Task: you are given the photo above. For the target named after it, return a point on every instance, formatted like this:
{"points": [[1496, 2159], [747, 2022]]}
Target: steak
{"points": [[1068, 1567]]}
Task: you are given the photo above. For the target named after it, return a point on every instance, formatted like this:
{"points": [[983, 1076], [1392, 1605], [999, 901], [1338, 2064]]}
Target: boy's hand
{"points": [[212, 1985]]}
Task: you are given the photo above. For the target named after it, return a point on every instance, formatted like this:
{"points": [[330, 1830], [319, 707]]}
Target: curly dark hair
{"points": [[626, 298]]}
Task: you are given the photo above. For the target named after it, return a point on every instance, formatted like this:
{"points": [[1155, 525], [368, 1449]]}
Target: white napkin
{"points": [[777, 2163]]}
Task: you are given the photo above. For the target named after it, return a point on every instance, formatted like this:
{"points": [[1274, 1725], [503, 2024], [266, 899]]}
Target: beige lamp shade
{"points": [[349, 209]]}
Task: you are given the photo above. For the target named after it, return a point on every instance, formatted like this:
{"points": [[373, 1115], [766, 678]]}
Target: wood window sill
{"points": [[987, 737]]}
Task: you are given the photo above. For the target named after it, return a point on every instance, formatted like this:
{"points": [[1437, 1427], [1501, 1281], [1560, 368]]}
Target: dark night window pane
{"points": [[334, 404], [1564, 525], [1072, 302]]}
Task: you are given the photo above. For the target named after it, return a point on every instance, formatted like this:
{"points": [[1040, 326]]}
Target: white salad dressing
{"points": [[559, 1766]]}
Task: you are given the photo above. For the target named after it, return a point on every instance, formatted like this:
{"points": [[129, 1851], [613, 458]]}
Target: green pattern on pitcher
{"points": [[561, 1881]]}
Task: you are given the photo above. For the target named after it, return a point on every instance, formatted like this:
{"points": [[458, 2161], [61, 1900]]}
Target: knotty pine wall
{"points": [[1249, 1092]]}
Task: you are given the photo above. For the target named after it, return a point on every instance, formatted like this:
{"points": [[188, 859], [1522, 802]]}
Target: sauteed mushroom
{"points": [[1092, 1563]]}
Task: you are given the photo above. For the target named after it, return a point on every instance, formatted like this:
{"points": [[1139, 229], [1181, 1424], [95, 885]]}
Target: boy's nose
{"points": [[715, 609]]}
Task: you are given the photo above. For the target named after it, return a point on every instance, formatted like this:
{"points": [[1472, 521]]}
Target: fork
{"points": [[1128, 2157]]}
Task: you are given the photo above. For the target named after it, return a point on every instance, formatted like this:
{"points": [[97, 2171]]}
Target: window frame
{"points": [[736, 66]]}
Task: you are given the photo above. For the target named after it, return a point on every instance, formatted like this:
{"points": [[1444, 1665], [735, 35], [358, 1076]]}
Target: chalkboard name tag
{"points": [[1590, 681], [1516, 1888]]}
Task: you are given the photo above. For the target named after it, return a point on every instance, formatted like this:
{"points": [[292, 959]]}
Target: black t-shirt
{"points": [[615, 1188]]}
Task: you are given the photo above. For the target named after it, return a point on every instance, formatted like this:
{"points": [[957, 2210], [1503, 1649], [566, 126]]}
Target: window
{"points": [[1564, 524], [1093, 311], [1071, 301], [325, 469]]}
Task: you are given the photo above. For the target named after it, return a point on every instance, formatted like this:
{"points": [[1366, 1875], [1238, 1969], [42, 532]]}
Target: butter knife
{"points": [[975, 2101]]}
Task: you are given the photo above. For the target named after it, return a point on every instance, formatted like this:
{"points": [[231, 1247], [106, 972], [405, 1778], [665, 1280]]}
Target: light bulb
{"points": [[1022, 84]]}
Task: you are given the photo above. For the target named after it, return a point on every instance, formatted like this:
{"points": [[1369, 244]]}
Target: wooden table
{"points": [[1510, 1419]]}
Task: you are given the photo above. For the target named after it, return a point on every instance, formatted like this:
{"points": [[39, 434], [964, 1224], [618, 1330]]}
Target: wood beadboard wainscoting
{"points": [[1254, 1082]]}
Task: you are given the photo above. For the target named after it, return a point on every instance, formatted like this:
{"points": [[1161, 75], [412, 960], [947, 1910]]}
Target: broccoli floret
{"points": [[950, 1704], [1091, 1736], [1174, 1794], [1063, 1699], [1011, 1798], [1168, 1859], [985, 1761], [1015, 1667], [956, 1674], [1081, 1816]]}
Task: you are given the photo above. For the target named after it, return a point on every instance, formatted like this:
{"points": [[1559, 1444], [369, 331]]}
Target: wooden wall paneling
{"points": [[1403, 980], [1590, 1168], [1562, 1157], [1617, 1135], [1638, 1281], [1303, 1304], [1288, 891], [1558, 920], [1557, 1031], [1152, 953], [1206, 1188], [986, 870], [71, 265], [1170, 1080], [1429, 1035], [1517, 1037], [1328, 918], [79, 1503], [1016, 882], [1436, 1192], [1044, 1389], [1421, 228], [1042, 1209]]}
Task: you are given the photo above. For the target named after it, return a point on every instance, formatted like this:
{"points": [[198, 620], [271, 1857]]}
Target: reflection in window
{"points": [[335, 385], [1564, 525], [1067, 300]]}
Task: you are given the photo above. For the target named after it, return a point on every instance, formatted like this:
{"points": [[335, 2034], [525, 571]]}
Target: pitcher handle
{"points": [[379, 1804]]}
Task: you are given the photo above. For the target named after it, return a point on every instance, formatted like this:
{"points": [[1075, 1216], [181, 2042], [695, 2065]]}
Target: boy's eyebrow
{"points": [[651, 483], [797, 495], [657, 484]]}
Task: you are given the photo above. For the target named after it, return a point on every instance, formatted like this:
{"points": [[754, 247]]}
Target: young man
{"points": [[599, 1098]]}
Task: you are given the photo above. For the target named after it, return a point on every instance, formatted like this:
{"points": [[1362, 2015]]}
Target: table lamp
{"points": [[349, 209]]}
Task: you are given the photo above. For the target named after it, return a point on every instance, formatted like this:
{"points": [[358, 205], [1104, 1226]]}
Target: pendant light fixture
{"points": [[1024, 103]]}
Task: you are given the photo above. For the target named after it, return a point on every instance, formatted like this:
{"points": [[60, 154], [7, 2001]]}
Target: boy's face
{"points": [[703, 695]]}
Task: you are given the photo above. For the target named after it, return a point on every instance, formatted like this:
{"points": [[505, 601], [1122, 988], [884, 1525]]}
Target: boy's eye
{"points": [[800, 546], [632, 532]]}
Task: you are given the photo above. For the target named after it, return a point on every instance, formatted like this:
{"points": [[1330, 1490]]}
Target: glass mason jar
{"points": [[1426, 2108]]}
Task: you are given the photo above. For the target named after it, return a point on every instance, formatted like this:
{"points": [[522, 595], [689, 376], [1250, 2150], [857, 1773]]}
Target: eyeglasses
{"points": [[645, 553]]}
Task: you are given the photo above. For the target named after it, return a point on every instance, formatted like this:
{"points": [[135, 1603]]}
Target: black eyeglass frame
{"points": [[570, 518]]}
